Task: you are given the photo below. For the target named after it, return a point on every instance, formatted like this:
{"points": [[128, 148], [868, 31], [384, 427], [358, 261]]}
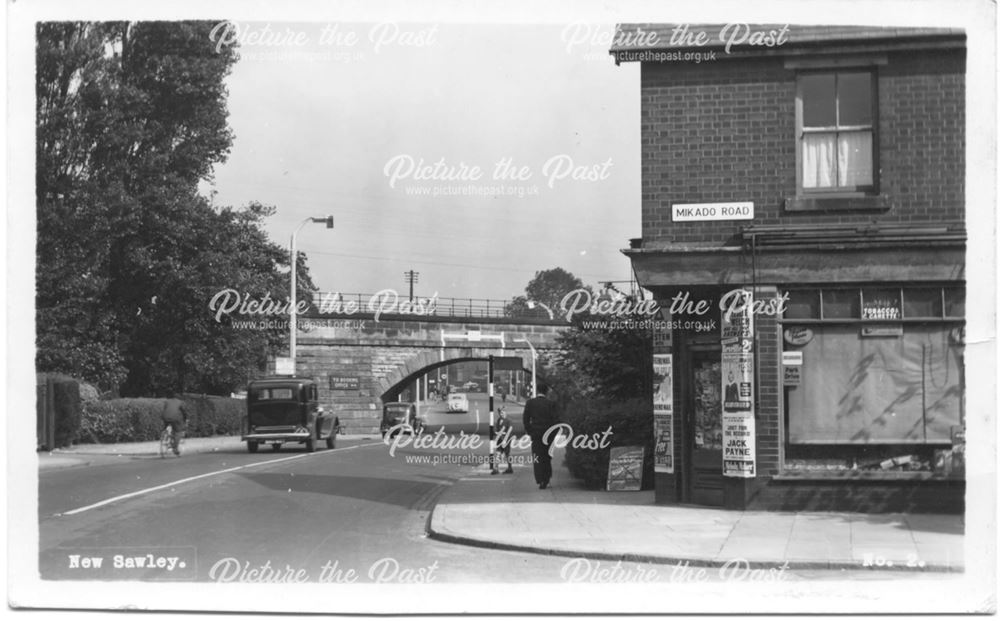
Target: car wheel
{"points": [[251, 446], [275, 447], [310, 445]]}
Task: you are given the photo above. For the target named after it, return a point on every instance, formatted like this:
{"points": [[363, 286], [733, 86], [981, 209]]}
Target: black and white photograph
{"points": [[460, 308]]}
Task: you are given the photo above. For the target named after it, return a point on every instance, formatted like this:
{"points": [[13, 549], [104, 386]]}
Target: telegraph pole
{"points": [[411, 277]]}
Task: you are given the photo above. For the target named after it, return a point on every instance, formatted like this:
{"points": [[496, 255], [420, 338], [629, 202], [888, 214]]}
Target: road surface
{"points": [[352, 514]]}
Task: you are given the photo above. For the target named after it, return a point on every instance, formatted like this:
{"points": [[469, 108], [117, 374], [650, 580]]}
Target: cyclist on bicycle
{"points": [[175, 417]]}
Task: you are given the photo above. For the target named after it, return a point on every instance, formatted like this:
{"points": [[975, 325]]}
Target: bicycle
{"points": [[167, 442]]}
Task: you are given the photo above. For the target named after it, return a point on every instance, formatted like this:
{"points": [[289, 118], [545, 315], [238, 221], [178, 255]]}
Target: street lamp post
{"points": [[534, 357], [292, 309]]}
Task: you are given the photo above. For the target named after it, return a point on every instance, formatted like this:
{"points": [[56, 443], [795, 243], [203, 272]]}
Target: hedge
{"points": [[631, 424], [67, 406], [138, 420]]}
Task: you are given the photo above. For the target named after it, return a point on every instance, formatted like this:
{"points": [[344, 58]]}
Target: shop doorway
{"points": [[703, 417]]}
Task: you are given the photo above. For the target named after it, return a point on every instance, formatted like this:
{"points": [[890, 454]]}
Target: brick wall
{"points": [[769, 406], [725, 131]]}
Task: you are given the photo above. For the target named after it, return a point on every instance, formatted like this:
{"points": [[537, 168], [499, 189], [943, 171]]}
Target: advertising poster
{"points": [[625, 469], [737, 376], [663, 413], [738, 385], [663, 390], [663, 459], [738, 458]]}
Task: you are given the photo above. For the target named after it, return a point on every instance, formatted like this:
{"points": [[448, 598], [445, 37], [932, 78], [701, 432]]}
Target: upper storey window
{"points": [[835, 114]]}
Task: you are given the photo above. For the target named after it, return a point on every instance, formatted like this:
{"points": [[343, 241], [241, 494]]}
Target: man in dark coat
{"points": [[175, 416], [539, 416]]}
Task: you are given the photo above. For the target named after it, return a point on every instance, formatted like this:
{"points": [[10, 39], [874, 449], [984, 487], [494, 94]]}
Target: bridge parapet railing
{"points": [[337, 303]]}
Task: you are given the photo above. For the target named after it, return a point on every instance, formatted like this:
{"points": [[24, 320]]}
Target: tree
{"points": [[602, 377], [546, 291], [130, 118]]}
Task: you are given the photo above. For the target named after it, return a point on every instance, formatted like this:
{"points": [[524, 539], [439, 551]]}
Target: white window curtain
{"points": [[818, 156], [854, 159]]}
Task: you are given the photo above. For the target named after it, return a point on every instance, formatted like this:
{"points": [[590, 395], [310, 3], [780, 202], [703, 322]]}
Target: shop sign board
{"points": [[797, 337], [625, 468], [791, 358], [882, 330], [791, 364]]}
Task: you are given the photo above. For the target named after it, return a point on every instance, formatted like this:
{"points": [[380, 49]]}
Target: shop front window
{"points": [[803, 304], [923, 303], [878, 378], [877, 390], [840, 304]]}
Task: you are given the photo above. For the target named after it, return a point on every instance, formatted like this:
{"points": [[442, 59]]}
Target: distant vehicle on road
{"points": [[286, 409], [458, 402], [468, 386], [401, 413]]}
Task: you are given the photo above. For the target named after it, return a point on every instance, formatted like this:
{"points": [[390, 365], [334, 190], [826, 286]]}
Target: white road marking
{"points": [[207, 474]]}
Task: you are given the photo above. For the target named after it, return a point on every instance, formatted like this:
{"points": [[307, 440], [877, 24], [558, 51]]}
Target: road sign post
{"points": [[493, 441]]}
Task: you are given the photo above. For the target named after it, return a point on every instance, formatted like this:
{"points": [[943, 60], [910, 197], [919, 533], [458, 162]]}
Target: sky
{"points": [[383, 124]]}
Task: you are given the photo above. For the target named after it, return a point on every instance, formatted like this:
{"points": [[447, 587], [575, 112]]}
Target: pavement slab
{"points": [[568, 519]]}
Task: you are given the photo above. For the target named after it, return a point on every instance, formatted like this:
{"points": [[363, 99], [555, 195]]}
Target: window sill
{"points": [[834, 202], [861, 475]]}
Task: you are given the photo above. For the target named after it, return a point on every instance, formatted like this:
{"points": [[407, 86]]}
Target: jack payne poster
{"points": [[738, 458], [663, 413], [738, 389]]}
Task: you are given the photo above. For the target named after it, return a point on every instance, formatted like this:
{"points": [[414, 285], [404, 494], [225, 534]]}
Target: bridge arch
{"points": [[425, 362], [359, 366]]}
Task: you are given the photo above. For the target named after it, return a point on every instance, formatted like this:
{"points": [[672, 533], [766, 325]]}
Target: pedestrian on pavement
{"points": [[539, 416], [504, 437], [175, 415]]}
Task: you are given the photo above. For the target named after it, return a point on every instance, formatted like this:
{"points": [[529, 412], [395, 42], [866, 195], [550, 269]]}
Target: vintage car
{"points": [[286, 409], [401, 413], [458, 402]]}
